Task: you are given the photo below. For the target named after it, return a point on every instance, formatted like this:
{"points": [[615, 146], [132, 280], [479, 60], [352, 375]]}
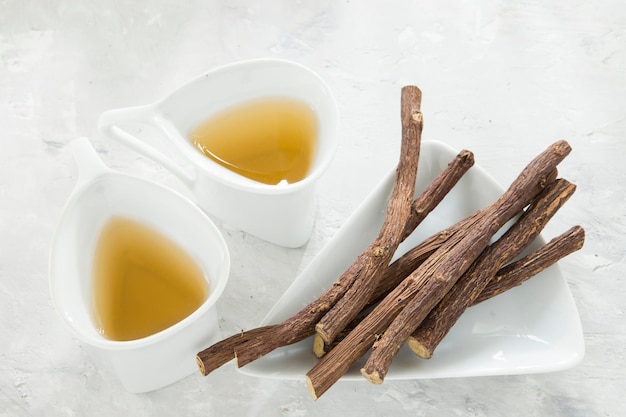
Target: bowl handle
{"points": [[108, 124], [87, 160]]}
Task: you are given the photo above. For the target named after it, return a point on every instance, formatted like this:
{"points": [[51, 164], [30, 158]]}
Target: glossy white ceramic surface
{"points": [[283, 214], [151, 362], [533, 328]]}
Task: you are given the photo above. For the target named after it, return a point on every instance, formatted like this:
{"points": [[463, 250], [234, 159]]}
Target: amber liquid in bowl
{"points": [[269, 140], [142, 281]]}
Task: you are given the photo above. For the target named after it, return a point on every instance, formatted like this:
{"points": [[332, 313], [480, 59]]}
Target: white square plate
{"points": [[530, 329]]}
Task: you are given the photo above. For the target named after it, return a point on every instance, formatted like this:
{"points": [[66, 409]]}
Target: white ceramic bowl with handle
{"points": [[154, 361], [283, 214]]}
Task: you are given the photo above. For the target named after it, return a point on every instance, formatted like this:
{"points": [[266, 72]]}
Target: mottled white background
{"points": [[502, 78]]}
